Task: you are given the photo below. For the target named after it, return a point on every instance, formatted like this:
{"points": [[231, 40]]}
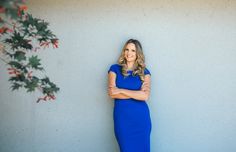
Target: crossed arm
{"points": [[118, 93]]}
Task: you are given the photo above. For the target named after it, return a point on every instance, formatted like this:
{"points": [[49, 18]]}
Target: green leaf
{"points": [[34, 62], [12, 12], [20, 77], [15, 64], [17, 41], [11, 7], [32, 84], [45, 80], [48, 87], [18, 65], [15, 86], [14, 79], [41, 28], [19, 55]]}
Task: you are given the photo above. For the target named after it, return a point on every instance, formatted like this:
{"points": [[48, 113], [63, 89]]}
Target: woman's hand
{"points": [[145, 87]]}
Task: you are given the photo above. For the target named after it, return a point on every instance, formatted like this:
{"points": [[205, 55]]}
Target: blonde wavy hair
{"points": [[139, 65]]}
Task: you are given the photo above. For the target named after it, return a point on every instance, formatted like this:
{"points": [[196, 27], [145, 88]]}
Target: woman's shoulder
{"points": [[114, 67], [147, 71], [115, 64]]}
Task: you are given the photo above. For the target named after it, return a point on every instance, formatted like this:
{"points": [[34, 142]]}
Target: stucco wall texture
{"points": [[190, 49]]}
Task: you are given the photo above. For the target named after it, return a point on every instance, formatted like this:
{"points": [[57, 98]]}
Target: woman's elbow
{"points": [[111, 96], [146, 96]]}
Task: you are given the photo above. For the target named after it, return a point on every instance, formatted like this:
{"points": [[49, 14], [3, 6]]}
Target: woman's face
{"points": [[130, 52]]}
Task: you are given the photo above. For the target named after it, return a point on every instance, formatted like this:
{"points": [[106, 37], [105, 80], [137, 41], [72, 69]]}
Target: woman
{"points": [[129, 86]]}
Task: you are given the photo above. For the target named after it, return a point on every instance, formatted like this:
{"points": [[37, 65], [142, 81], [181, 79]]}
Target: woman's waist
{"points": [[130, 101]]}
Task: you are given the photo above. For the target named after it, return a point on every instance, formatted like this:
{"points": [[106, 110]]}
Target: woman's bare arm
{"points": [[113, 91], [142, 94]]}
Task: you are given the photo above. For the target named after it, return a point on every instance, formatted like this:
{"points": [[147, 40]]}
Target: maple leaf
{"points": [[34, 62], [32, 84], [19, 55], [15, 86]]}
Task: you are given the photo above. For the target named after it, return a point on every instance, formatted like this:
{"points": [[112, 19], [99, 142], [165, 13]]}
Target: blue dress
{"points": [[132, 122]]}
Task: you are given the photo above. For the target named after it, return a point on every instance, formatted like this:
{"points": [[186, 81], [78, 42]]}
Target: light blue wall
{"points": [[190, 48]]}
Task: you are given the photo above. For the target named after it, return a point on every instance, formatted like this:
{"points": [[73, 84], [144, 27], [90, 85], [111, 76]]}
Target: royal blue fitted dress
{"points": [[132, 122]]}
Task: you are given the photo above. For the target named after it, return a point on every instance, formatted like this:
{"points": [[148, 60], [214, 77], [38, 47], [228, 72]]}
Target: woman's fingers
{"points": [[145, 87], [144, 84]]}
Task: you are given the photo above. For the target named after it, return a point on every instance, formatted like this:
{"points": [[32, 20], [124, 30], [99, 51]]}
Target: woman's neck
{"points": [[130, 65]]}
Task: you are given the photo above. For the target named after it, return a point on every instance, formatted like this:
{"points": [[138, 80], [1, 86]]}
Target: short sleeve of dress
{"points": [[113, 68], [146, 71]]}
